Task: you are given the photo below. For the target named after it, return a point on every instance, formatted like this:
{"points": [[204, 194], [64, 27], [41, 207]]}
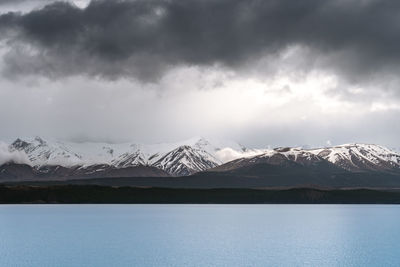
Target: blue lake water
{"points": [[199, 235]]}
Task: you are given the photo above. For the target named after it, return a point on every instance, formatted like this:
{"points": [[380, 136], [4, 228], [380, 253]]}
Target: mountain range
{"points": [[57, 159], [40, 159]]}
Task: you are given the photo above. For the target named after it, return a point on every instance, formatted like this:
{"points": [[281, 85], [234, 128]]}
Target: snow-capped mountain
{"points": [[64, 159], [186, 160], [348, 157], [180, 158], [285, 157], [361, 157]]}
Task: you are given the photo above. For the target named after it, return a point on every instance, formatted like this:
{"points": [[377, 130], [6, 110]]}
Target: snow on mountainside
{"points": [[190, 156], [180, 158], [349, 157], [282, 156], [186, 160], [361, 157]]}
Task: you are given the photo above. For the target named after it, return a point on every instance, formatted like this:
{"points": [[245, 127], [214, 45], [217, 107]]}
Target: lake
{"points": [[199, 235]]}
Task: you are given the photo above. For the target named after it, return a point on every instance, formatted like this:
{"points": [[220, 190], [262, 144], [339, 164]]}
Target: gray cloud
{"points": [[143, 39], [254, 71], [2, 2]]}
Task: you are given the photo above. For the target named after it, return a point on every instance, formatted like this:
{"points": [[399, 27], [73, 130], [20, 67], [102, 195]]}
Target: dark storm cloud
{"points": [[144, 38], [17, 2], [10, 1]]}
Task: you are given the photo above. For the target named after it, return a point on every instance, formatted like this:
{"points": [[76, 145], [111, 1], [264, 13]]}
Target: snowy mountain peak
{"points": [[202, 142], [282, 155], [40, 140], [192, 155], [344, 158], [186, 160], [41, 152], [19, 144], [361, 157]]}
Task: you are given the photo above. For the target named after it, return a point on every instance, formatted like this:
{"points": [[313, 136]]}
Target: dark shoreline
{"points": [[86, 194]]}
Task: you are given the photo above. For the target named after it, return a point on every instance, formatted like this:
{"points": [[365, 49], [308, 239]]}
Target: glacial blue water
{"points": [[199, 235]]}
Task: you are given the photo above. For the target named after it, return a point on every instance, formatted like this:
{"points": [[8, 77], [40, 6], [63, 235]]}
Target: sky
{"points": [[264, 73]]}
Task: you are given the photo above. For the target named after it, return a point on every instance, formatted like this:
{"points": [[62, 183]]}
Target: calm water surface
{"points": [[199, 235]]}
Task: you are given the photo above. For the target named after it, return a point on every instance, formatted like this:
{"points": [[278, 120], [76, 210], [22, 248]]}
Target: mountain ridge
{"points": [[348, 157], [187, 157], [67, 160]]}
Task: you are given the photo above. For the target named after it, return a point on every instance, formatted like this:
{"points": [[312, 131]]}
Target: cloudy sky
{"points": [[271, 72]]}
